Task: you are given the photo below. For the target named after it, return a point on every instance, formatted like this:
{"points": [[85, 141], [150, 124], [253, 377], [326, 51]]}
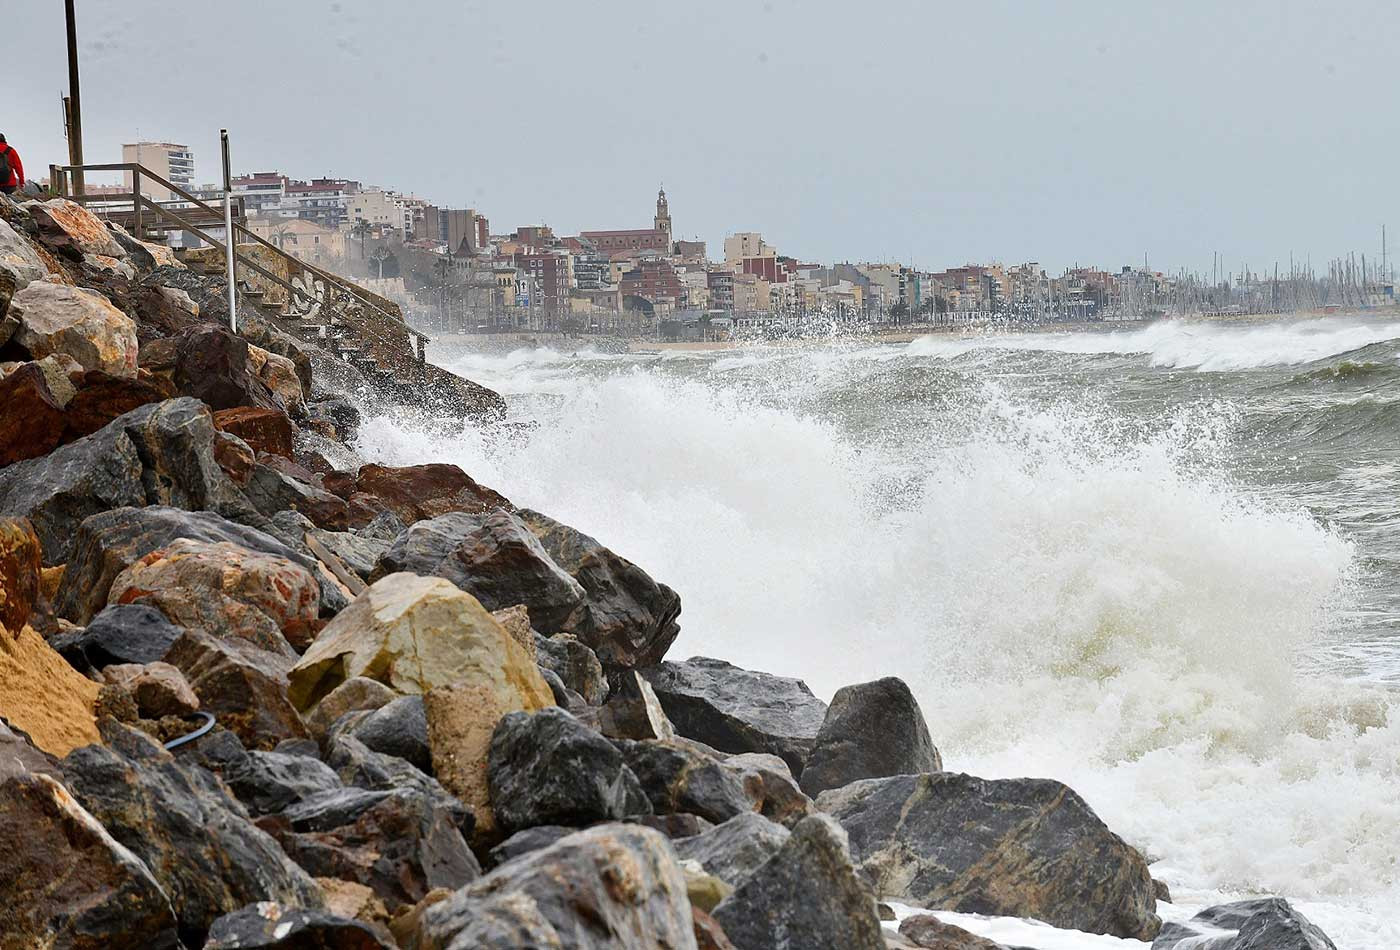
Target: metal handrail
{"points": [[340, 283]]}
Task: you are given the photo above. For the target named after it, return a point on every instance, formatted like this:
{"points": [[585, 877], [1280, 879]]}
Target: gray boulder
{"points": [[576, 665], [735, 849], [628, 619], [492, 556], [808, 896], [557, 897], [737, 710], [871, 730], [1268, 923], [364, 768], [1008, 847], [159, 454], [547, 768], [401, 843], [398, 728], [196, 840], [268, 924], [527, 840], [679, 780], [123, 633], [268, 782]]}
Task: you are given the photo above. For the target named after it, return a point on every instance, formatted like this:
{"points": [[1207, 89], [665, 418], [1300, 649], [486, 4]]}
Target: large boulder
{"points": [[399, 842], [59, 318], [808, 896], [196, 840], [492, 556], [66, 882], [267, 925], [770, 786], [736, 710], [272, 491], [398, 728], [269, 782], [548, 768], [1006, 847], [613, 887], [245, 687], [423, 635], [19, 257], [52, 401], [222, 588], [871, 730], [1266, 923], [680, 780], [108, 543], [418, 492], [732, 851], [20, 561], [130, 633], [208, 362], [65, 225], [159, 454], [266, 430], [414, 633], [627, 618]]}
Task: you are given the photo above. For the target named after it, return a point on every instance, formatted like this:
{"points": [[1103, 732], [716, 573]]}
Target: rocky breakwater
{"points": [[254, 693]]}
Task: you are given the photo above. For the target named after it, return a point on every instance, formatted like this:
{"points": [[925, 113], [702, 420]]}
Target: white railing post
{"points": [[229, 237]]}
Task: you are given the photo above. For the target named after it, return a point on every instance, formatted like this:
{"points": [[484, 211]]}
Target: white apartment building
{"points": [[174, 163]]}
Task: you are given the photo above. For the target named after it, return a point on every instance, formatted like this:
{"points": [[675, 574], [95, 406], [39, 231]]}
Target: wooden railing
{"points": [[311, 291]]}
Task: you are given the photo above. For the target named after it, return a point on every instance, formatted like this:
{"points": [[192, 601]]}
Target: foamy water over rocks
{"points": [[1158, 564]]}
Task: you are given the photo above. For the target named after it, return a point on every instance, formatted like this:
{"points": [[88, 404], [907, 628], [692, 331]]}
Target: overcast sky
{"points": [[932, 132]]}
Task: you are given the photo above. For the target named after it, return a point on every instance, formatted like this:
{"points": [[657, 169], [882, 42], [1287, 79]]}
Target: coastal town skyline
{"points": [[941, 158]]}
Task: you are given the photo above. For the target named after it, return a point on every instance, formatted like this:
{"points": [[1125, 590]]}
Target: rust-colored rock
{"points": [[31, 423], [20, 577], [67, 225], [234, 456], [159, 689], [416, 492], [265, 430], [45, 408], [709, 935], [251, 594]]}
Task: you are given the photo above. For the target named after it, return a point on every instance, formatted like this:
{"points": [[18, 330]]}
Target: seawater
{"points": [[1159, 564]]}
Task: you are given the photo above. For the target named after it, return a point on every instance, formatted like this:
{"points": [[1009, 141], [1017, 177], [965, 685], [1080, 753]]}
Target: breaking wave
{"points": [[1072, 593]]}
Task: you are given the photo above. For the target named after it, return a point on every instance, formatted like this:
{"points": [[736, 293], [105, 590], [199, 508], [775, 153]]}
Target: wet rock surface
{"points": [[626, 618], [196, 840], [1007, 847], [737, 710], [492, 556], [835, 909], [615, 886], [1245, 925], [547, 768], [871, 730]]}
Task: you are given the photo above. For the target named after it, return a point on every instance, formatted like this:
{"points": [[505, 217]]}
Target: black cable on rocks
{"points": [[190, 737]]}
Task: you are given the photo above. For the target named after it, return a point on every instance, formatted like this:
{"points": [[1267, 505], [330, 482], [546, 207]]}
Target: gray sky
{"points": [[941, 133]]}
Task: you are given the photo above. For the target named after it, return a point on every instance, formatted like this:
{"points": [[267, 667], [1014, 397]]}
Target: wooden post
{"points": [[136, 203], [75, 109]]}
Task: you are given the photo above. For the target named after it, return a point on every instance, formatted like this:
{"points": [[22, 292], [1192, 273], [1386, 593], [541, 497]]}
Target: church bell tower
{"points": [[663, 215]]}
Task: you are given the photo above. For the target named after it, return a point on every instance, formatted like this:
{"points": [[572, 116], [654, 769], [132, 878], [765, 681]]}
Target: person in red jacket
{"points": [[11, 169]]}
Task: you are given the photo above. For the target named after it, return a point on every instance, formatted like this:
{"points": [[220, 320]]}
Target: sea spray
{"points": [[1077, 581]]}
